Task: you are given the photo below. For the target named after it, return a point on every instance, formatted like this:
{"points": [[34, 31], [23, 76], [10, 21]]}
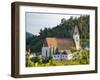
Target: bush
{"points": [[29, 63], [35, 59], [84, 42], [84, 58], [46, 60]]}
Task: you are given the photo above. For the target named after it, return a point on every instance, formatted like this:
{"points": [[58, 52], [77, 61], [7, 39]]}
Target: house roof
{"points": [[60, 43], [51, 42]]}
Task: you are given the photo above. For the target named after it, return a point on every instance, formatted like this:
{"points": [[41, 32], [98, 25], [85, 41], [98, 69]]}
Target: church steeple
{"points": [[76, 37]]}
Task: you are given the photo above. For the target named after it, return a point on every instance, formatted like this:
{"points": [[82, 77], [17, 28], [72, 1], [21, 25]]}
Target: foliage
{"points": [[82, 56], [35, 59], [84, 42], [34, 43], [79, 57], [29, 63], [66, 27]]}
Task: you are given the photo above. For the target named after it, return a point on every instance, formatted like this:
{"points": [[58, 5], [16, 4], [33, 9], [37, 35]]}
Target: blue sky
{"points": [[36, 21]]}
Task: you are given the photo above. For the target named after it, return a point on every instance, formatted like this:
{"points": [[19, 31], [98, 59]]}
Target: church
{"points": [[60, 48]]}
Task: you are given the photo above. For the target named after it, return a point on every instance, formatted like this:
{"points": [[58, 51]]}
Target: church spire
{"points": [[76, 31], [76, 37]]}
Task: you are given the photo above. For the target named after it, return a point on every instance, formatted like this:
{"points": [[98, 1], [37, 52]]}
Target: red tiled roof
{"points": [[60, 43]]}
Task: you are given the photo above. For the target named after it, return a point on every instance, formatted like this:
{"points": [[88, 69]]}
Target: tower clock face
{"points": [[76, 33]]}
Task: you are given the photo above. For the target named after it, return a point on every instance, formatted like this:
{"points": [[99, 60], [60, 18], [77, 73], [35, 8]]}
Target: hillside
{"points": [[66, 27]]}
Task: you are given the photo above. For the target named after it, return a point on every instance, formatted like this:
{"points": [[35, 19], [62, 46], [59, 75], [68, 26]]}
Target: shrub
{"points": [[35, 59], [46, 60], [29, 63]]}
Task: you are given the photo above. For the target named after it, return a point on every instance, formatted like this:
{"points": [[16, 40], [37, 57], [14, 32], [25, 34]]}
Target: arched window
{"points": [[77, 39], [46, 53], [76, 33], [50, 52]]}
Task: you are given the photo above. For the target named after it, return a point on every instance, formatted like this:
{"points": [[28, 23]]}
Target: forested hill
{"points": [[66, 27], [62, 30]]}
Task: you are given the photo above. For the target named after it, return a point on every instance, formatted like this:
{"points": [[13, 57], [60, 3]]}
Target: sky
{"points": [[36, 21]]}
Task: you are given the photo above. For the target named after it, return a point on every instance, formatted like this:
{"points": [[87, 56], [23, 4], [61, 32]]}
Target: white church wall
{"points": [[51, 51], [45, 51], [48, 51]]}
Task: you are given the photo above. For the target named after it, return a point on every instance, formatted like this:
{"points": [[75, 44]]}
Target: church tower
{"points": [[76, 37]]}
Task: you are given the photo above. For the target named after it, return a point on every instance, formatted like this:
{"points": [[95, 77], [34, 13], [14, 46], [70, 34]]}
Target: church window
{"points": [[46, 53], [76, 33], [76, 38]]}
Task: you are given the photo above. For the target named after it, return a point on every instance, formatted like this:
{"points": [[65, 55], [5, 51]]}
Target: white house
{"points": [[52, 44], [66, 55], [57, 56]]}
